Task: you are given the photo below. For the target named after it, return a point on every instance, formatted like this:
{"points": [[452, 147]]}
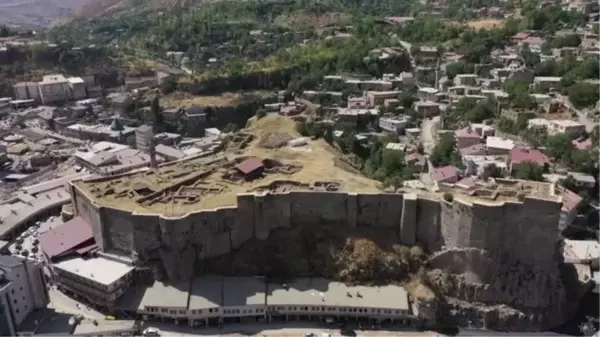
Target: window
{"points": [[164, 310], [15, 301], [397, 312], [21, 288], [12, 291], [17, 311], [199, 311]]}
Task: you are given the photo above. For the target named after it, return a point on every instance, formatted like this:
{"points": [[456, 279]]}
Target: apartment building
{"points": [[547, 82], [22, 290], [54, 88], [97, 280], [395, 124], [376, 98], [427, 109], [465, 79]]}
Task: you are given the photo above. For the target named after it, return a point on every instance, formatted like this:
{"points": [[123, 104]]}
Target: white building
{"points": [[22, 290], [475, 165], [54, 88], [77, 86], [98, 280], [498, 145], [465, 79], [393, 124]]}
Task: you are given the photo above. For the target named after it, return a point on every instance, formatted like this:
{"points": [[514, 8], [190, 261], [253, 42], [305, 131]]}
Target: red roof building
{"points": [[446, 174], [251, 168], [74, 235], [519, 156]]}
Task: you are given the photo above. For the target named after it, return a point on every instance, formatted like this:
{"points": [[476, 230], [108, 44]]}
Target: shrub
{"points": [[448, 197]]}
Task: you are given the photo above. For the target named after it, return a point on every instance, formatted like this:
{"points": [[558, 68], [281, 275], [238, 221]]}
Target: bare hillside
{"points": [[90, 9], [34, 13]]}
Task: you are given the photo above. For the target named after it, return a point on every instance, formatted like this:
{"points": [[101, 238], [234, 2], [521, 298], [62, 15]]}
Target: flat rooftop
{"points": [[98, 269], [216, 291], [200, 182], [166, 295], [319, 291]]}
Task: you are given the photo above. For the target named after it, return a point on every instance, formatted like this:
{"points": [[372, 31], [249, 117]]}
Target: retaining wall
{"points": [[525, 230]]}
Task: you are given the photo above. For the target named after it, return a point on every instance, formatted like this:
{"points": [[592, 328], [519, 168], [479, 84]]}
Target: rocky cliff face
{"points": [[483, 291]]}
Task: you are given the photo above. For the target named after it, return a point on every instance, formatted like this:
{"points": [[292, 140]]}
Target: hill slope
{"points": [[34, 13], [91, 9]]}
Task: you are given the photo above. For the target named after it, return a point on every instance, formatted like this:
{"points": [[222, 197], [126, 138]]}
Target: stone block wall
{"points": [[525, 230]]}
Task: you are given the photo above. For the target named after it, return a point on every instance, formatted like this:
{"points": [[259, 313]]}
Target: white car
{"points": [[151, 332]]}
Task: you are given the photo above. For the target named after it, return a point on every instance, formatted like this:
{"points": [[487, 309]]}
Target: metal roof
{"points": [[65, 237]]}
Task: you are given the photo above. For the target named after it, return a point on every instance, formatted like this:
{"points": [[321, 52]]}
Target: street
{"points": [[61, 303], [428, 130], [274, 329]]}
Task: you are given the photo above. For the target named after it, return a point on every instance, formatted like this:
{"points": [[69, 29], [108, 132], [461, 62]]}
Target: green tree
{"points": [[491, 171], [530, 171], [260, 113], [328, 135], [445, 152], [583, 95], [559, 147]]}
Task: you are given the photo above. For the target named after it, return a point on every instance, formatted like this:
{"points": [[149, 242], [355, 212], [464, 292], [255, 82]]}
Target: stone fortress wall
{"points": [[525, 230]]}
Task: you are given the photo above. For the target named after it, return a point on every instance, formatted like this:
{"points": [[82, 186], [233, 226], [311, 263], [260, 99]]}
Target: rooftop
{"points": [[522, 155], [499, 143], [318, 291], [166, 295], [98, 269], [201, 182], [65, 237]]}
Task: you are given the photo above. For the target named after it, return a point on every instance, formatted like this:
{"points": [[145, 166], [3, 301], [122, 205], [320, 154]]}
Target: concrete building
{"points": [[466, 137], [499, 145], [376, 98], [427, 108], [475, 165], [98, 280], [26, 91], [554, 127], [214, 299], [27, 205], [106, 158], [465, 79], [115, 132], [77, 86], [321, 299], [143, 137], [22, 291], [54, 89], [395, 124], [428, 94], [547, 82]]}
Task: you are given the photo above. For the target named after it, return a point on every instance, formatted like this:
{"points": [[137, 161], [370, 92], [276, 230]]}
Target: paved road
{"points": [[296, 329], [428, 129], [63, 304]]}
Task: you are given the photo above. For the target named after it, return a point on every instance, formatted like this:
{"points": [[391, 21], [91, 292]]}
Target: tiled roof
{"points": [[442, 173], [521, 155]]}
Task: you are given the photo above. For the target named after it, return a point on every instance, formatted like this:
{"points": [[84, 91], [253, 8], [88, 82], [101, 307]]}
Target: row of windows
{"points": [[180, 312], [278, 308], [243, 311]]}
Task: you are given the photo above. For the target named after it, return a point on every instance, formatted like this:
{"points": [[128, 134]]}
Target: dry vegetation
{"points": [[354, 256], [485, 23], [228, 99], [305, 20]]}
